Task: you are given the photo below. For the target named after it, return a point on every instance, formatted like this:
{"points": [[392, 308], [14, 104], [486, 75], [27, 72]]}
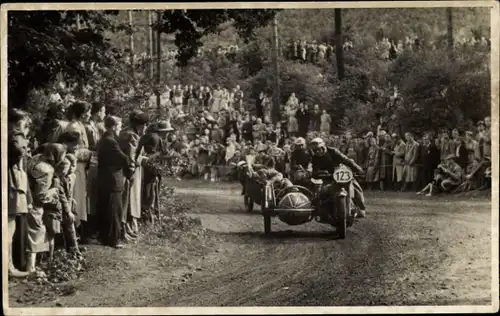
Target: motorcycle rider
{"points": [[300, 162], [326, 159]]}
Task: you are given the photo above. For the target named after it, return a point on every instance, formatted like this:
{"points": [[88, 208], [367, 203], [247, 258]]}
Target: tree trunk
{"points": [[449, 13], [131, 39], [150, 45], [158, 60], [276, 91], [339, 49]]}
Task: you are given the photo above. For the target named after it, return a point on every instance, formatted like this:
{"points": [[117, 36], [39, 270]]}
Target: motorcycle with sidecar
{"points": [[328, 200]]}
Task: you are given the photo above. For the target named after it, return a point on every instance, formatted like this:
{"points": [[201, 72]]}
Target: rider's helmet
{"points": [[300, 142], [318, 146]]}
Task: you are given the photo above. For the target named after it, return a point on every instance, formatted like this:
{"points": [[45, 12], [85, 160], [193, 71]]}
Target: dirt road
{"points": [[408, 251]]}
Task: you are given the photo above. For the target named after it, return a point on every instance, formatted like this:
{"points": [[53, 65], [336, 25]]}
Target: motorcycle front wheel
{"points": [[341, 214]]}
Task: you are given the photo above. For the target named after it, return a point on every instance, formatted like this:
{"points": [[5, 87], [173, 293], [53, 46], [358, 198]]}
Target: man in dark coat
{"points": [[430, 159], [112, 164], [259, 106], [247, 129], [303, 119], [153, 143]]}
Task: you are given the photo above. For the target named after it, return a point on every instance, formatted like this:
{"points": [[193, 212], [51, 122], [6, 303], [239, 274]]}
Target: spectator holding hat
{"points": [[132, 191]]}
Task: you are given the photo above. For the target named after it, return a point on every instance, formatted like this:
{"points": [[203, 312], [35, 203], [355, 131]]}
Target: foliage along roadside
{"points": [[174, 229]]}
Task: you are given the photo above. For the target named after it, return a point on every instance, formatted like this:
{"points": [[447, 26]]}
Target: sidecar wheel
{"points": [[248, 203], [267, 223]]}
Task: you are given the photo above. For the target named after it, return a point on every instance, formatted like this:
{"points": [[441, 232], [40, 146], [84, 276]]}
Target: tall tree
{"points": [[42, 44], [276, 91], [191, 25]]}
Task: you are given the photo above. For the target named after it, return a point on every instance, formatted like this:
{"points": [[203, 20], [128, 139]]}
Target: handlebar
{"points": [[329, 176]]}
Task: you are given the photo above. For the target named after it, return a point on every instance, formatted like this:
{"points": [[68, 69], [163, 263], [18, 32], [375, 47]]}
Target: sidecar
{"points": [[292, 205]]}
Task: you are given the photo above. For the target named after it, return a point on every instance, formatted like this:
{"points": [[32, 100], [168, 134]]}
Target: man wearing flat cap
{"points": [[129, 143], [152, 143]]}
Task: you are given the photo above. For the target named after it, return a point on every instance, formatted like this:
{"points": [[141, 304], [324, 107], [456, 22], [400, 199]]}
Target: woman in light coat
{"points": [[80, 113], [373, 163], [19, 195], [410, 158], [398, 161], [326, 120]]}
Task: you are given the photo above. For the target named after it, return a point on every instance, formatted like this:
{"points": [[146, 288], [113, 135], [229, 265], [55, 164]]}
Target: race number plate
{"points": [[342, 175]]}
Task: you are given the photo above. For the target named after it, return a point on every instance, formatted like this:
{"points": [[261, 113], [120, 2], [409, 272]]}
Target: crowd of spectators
{"points": [[81, 176]]}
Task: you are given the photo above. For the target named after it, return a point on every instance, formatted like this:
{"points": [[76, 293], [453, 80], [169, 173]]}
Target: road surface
{"points": [[409, 250]]}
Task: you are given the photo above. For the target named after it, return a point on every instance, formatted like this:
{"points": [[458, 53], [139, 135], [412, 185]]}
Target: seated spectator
{"points": [[448, 176]]}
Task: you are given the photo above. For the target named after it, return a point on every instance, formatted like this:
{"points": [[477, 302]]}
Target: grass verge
{"points": [[163, 254]]}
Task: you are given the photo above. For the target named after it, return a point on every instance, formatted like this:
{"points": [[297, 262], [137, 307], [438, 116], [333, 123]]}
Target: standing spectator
{"points": [[446, 145], [113, 163], [386, 146], [19, 197], [53, 124], [472, 147], [207, 99], [259, 106], [486, 143], [430, 158], [326, 120], [455, 141], [329, 52], [95, 129], [132, 191], [247, 129], [178, 96], [410, 158], [322, 51], [217, 100], [203, 160], [290, 112], [293, 102], [238, 99], [196, 101], [315, 119], [372, 165], [224, 99], [45, 196], [80, 113], [267, 106], [303, 51], [303, 118]]}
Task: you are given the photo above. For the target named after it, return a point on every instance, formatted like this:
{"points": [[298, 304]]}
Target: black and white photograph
{"points": [[239, 157]]}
